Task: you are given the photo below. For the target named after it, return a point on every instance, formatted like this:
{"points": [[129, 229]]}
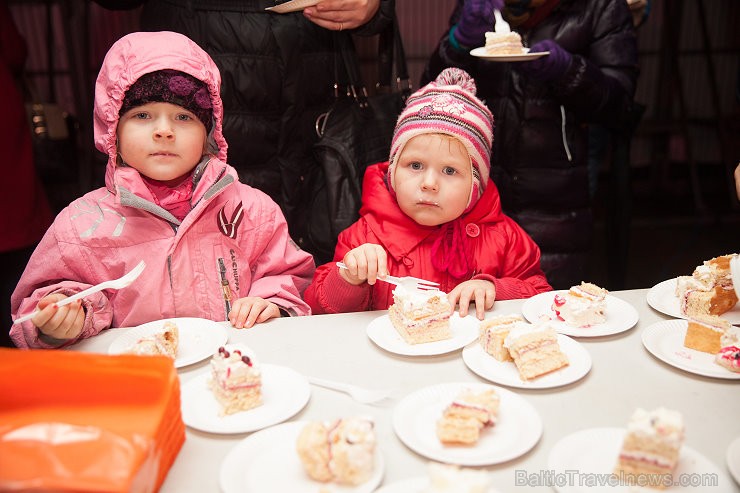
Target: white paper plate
{"points": [[620, 316], [591, 455], [292, 6], [522, 57], [199, 338], [662, 297], [665, 341], [505, 372], [413, 485], [382, 333], [284, 393], [267, 462], [733, 459], [517, 430]]}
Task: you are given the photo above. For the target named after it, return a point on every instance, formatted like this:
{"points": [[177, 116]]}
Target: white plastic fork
{"points": [[406, 281], [360, 394], [119, 283]]}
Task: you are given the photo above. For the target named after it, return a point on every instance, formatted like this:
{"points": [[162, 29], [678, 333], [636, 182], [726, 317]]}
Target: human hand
{"points": [[549, 67], [338, 15], [482, 292], [59, 322], [245, 312], [476, 19], [365, 263]]}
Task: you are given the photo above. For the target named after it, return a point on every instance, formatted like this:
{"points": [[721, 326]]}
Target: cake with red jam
{"points": [[164, 341], [340, 451], [709, 290], [420, 316], [236, 380], [469, 413], [651, 447], [581, 306]]}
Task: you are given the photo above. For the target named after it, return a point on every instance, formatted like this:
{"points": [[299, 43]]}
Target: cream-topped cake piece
{"points": [[503, 43], [651, 446], [420, 316], [449, 478], [464, 418], [236, 380], [581, 306], [341, 451], [535, 349], [164, 341]]}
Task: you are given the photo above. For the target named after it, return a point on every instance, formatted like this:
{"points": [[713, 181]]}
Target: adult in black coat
{"points": [[278, 75], [541, 108]]}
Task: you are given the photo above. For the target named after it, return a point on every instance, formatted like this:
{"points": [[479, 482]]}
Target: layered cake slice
{"points": [[709, 290], [535, 350], [651, 447], [704, 333], [581, 306], [236, 380], [465, 417], [503, 43], [420, 316], [341, 451], [164, 341], [492, 334]]}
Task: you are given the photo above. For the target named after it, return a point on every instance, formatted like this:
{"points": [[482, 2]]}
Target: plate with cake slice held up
{"points": [[269, 461], [585, 310], [186, 340], [238, 394], [707, 352], [466, 423], [512, 352]]}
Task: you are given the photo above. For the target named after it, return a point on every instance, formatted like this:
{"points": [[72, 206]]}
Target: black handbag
{"points": [[353, 134]]}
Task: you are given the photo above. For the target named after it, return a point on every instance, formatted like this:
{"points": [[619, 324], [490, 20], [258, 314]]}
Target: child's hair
{"points": [[448, 105], [171, 86]]}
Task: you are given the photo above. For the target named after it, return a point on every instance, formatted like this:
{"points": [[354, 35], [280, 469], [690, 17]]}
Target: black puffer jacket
{"points": [[278, 76], [540, 138]]}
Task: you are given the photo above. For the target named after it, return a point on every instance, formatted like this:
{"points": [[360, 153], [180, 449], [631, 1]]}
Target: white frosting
{"points": [[666, 423], [446, 478]]}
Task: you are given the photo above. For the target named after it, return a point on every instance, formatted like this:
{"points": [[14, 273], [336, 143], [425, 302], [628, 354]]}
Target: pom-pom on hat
{"points": [[171, 86], [448, 105]]}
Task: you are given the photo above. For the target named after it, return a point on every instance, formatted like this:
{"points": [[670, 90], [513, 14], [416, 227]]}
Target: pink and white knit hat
{"points": [[448, 105]]}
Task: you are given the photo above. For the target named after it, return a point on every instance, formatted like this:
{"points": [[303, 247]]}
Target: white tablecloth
{"points": [[624, 376]]}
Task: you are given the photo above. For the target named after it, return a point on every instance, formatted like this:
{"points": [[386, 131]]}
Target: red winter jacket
{"points": [[501, 252]]}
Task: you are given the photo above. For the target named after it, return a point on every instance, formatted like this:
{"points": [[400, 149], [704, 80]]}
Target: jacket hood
{"points": [[140, 53], [399, 233]]}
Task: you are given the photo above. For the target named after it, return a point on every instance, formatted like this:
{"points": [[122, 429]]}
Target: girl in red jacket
{"points": [[432, 212]]}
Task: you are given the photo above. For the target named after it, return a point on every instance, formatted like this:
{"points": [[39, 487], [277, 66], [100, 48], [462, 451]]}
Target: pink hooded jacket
{"points": [[105, 233]]}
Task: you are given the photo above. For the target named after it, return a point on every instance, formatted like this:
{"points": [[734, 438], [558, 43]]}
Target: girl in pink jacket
{"points": [[214, 248], [432, 212]]}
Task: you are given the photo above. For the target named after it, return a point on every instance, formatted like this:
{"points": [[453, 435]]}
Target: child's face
{"points": [[433, 179], [162, 141]]}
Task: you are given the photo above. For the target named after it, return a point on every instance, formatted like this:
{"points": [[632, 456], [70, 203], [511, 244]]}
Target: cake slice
{"points": [[164, 341], [651, 447], [535, 350], [420, 316], [709, 290], [341, 451], [493, 332], [581, 306], [236, 380], [449, 478], [503, 43], [704, 333], [465, 417]]}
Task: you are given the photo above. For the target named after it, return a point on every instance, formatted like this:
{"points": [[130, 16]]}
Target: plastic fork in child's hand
{"points": [[406, 281]]}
